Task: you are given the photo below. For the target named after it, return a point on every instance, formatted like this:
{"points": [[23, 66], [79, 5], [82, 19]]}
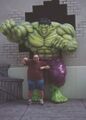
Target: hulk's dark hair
{"points": [[44, 21]]}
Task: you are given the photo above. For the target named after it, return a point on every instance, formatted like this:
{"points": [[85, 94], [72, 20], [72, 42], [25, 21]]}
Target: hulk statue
{"points": [[50, 40]]}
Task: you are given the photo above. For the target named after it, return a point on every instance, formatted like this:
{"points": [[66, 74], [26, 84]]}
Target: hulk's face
{"points": [[44, 29]]}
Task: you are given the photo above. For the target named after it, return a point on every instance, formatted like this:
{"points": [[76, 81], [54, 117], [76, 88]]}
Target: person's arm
{"points": [[44, 67]]}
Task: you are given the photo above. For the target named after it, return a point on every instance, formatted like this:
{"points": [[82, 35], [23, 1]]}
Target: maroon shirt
{"points": [[34, 72]]}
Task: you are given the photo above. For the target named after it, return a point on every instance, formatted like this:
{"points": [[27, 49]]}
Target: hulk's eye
{"points": [[43, 26]]}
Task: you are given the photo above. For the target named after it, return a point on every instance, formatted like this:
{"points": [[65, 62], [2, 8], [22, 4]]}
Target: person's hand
{"points": [[41, 68], [47, 67], [25, 60]]}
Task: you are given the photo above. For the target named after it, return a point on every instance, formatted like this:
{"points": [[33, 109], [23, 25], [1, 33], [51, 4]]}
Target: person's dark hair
{"points": [[44, 21]]}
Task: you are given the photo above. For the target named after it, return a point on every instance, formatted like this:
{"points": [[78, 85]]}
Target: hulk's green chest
{"points": [[36, 39]]}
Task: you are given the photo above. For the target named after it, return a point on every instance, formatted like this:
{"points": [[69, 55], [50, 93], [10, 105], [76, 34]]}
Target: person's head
{"points": [[36, 57], [44, 24]]}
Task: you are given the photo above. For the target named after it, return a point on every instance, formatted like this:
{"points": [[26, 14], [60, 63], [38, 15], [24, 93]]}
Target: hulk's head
{"points": [[44, 24]]}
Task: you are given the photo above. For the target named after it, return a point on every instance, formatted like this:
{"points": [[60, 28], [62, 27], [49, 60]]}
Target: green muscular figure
{"points": [[47, 39]]}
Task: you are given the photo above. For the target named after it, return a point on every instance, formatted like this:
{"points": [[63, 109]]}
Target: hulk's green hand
{"points": [[15, 32]]}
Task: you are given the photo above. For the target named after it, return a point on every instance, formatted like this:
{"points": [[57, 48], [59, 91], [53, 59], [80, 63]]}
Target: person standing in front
{"points": [[35, 76]]}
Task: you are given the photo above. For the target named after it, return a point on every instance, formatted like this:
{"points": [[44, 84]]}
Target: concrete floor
{"points": [[19, 110]]}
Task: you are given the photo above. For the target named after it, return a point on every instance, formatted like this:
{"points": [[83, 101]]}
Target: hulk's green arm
{"points": [[15, 32], [66, 38]]}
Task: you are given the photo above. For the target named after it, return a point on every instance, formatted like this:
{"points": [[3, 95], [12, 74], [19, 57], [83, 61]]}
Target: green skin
{"points": [[46, 40]]}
